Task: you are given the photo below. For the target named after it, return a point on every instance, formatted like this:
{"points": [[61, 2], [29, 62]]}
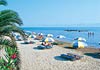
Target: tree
{"points": [[3, 2], [9, 23]]}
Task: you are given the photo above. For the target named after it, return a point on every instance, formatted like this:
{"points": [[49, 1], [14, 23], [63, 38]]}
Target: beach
{"points": [[50, 35], [92, 39], [49, 59]]}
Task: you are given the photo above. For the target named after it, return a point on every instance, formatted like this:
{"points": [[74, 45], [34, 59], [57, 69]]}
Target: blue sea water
{"points": [[92, 40]]}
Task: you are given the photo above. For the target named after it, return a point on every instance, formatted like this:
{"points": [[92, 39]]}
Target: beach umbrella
{"points": [[48, 39], [79, 44], [61, 36], [7, 37], [28, 32], [32, 36], [17, 37], [80, 39], [34, 33], [15, 34], [40, 34], [49, 35]]}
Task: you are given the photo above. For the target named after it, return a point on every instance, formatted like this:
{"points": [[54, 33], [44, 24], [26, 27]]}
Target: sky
{"points": [[57, 13]]}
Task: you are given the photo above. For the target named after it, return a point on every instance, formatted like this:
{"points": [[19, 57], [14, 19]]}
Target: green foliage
{"points": [[9, 63], [9, 22], [5, 42], [9, 17], [10, 50], [3, 2]]}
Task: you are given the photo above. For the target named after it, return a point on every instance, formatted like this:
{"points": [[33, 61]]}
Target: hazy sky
{"points": [[57, 12]]}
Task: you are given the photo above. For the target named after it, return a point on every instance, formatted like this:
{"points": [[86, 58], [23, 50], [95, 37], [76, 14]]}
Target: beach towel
{"points": [[71, 56], [41, 47]]}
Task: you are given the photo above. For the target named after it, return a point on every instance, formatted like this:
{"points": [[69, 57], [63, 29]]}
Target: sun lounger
{"points": [[41, 47], [44, 47], [71, 56], [30, 42], [48, 47], [26, 43]]}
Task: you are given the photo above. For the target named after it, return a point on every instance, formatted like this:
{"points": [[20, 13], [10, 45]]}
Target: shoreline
{"points": [[89, 49]]}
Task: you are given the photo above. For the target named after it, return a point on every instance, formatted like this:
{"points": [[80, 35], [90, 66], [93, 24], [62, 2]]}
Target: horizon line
{"points": [[60, 26]]}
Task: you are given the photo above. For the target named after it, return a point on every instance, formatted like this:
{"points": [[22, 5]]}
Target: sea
{"points": [[91, 34]]}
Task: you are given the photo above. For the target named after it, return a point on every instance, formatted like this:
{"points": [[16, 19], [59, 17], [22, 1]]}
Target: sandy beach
{"points": [[49, 59]]}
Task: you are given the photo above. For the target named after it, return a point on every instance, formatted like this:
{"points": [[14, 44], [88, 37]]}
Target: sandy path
{"points": [[34, 59]]}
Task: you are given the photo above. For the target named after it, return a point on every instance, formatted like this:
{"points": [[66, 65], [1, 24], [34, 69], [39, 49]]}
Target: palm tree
{"points": [[9, 23], [3, 2]]}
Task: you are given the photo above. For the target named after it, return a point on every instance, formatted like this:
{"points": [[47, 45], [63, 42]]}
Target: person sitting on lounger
{"points": [[45, 44]]}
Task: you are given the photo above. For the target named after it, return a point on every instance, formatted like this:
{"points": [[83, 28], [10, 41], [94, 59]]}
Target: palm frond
{"points": [[6, 42], [9, 17], [3, 2], [7, 30]]}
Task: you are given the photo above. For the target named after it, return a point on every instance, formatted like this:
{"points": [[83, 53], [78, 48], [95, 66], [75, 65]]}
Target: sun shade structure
{"points": [[79, 44], [7, 37], [33, 32], [61, 36], [49, 35], [28, 32], [32, 36], [80, 39], [40, 34], [18, 37], [48, 39]]}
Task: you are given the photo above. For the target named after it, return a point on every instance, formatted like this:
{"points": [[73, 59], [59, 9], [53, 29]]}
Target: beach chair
{"points": [[26, 42], [29, 42], [48, 47], [41, 47], [45, 46], [71, 56]]}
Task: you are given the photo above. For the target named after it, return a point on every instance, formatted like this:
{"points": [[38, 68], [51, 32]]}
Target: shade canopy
{"points": [[49, 35], [16, 34], [28, 32], [79, 44], [7, 37], [18, 37], [32, 36], [40, 34], [33, 32], [61, 36], [48, 40], [80, 39]]}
